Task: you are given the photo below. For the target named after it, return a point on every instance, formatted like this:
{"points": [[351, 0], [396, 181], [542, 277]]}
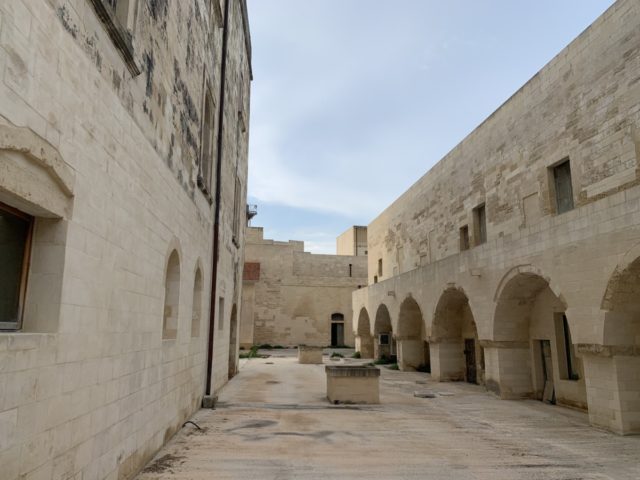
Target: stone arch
{"points": [[456, 354], [619, 356], [384, 341], [532, 354], [364, 339], [171, 296], [413, 350]]}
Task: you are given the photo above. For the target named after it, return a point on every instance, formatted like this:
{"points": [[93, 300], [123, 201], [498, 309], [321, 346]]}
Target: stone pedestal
{"points": [[309, 355], [353, 384]]}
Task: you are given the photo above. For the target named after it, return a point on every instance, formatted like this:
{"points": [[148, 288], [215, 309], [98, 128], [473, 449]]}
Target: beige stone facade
{"points": [[123, 148], [291, 297], [515, 260], [353, 242]]}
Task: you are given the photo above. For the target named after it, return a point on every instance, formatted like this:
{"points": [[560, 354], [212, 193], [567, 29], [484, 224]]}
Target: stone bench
{"points": [[309, 355], [353, 384]]}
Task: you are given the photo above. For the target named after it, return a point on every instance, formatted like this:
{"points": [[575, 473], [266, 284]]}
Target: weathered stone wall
{"points": [[106, 160], [352, 242], [584, 106], [297, 292]]}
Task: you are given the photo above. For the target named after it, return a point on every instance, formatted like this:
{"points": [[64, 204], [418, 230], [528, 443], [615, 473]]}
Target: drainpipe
{"points": [[208, 402]]}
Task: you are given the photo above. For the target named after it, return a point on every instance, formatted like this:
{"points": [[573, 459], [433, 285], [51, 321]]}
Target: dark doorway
{"points": [[337, 330], [337, 334], [470, 360]]}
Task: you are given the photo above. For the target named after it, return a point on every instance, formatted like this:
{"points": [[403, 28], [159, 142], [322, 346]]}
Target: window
{"points": [[380, 267], [351, 269], [220, 313], [383, 339], [464, 238], [16, 230], [196, 309], [207, 144], [171, 297], [237, 204], [118, 17], [566, 353], [562, 186], [375, 279], [480, 224]]}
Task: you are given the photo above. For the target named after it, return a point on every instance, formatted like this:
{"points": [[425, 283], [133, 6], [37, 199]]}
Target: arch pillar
{"points": [[447, 364], [508, 368]]}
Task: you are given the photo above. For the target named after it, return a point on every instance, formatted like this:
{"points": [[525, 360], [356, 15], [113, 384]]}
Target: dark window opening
{"points": [[220, 313], [16, 230], [480, 224], [569, 369], [351, 270], [464, 238], [380, 267], [563, 187], [375, 279]]}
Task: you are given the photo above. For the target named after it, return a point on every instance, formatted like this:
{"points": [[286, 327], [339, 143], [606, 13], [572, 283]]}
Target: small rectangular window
{"points": [[480, 224], [16, 229], [220, 313], [464, 238], [379, 267], [375, 279], [563, 187]]}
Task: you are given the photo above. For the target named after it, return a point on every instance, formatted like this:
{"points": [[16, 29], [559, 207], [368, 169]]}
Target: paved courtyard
{"points": [[273, 422]]}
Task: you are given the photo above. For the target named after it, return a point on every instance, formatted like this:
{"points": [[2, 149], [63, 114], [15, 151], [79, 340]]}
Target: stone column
{"points": [[447, 360], [410, 354], [612, 377], [364, 345], [508, 368]]}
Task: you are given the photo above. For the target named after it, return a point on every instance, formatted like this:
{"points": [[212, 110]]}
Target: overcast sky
{"points": [[354, 100]]}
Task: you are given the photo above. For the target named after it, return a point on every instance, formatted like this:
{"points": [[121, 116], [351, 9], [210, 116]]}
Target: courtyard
{"points": [[272, 421]]}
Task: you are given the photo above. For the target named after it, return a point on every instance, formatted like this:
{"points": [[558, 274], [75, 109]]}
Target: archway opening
{"points": [[233, 342], [384, 341], [413, 349], [534, 355], [171, 297], [364, 339], [456, 354], [196, 308], [621, 305]]}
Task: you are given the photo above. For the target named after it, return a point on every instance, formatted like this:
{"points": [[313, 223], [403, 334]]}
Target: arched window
{"points": [[171, 297], [196, 309], [337, 317]]}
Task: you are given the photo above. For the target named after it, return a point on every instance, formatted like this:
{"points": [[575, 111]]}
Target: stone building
{"points": [[353, 242], [515, 261], [291, 297], [123, 172]]}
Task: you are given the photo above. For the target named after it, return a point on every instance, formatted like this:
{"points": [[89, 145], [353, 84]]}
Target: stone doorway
{"points": [[337, 330]]}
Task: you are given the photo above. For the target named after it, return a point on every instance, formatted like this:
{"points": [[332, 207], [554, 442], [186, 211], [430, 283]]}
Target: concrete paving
{"points": [[273, 422]]}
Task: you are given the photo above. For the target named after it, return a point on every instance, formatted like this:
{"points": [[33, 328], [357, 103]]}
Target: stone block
{"points": [[353, 384], [309, 355]]}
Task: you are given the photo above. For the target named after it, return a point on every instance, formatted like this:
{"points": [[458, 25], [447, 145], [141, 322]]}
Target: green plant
{"points": [[337, 355], [253, 353], [393, 366], [356, 355], [383, 360]]}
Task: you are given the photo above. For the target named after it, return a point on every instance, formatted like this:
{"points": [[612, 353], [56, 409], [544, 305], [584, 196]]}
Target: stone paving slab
{"points": [[274, 423]]}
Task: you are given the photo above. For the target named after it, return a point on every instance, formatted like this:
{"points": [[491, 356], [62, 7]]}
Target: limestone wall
{"points": [[583, 106], [296, 294], [103, 151]]}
